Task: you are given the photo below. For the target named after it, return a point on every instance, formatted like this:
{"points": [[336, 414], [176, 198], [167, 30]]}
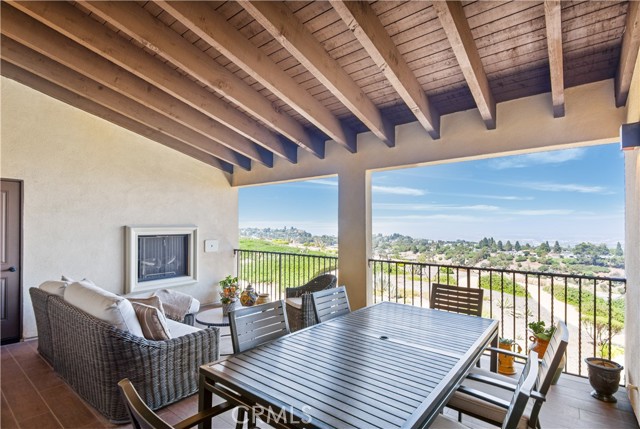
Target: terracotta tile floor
{"points": [[33, 396]]}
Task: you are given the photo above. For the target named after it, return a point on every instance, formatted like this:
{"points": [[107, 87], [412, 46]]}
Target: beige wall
{"points": [[524, 125], [632, 249], [85, 179]]}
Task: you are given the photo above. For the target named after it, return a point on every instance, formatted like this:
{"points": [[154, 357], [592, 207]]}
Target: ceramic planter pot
{"points": [[604, 377]]}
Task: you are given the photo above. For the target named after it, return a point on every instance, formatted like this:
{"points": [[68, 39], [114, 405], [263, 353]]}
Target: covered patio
{"points": [[154, 113]]}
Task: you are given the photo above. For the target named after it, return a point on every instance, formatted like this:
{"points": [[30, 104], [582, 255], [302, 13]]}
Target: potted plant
{"points": [[505, 362], [229, 292], [540, 338], [604, 374]]}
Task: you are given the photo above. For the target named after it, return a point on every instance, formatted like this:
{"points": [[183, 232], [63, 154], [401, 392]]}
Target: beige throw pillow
{"points": [[153, 301], [153, 323]]}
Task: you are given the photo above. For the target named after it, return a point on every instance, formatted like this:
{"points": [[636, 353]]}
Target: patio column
{"points": [[354, 234], [632, 247]]}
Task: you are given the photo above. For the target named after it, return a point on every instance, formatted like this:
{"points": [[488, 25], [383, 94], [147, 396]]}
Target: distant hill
{"points": [[582, 259]]}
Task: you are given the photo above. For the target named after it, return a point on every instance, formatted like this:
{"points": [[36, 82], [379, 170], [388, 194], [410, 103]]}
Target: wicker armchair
{"points": [[93, 356], [39, 299], [303, 316]]}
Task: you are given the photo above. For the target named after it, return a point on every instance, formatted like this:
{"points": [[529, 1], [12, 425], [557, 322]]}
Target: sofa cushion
{"points": [[104, 305], [152, 321], [179, 329], [54, 287], [295, 302]]}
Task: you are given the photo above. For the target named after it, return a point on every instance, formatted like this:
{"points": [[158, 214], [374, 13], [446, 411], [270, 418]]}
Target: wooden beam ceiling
{"points": [[291, 33], [455, 25], [47, 42], [628, 54], [553, 22], [206, 22], [39, 65], [370, 32], [137, 23], [42, 85], [206, 79]]}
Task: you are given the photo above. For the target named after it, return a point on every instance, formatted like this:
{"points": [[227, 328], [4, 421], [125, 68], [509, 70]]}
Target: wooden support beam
{"points": [[210, 26], [294, 36], [455, 25], [24, 77], [362, 20], [553, 21], [72, 23], [628, 54], [49, 43], [56, 73]]}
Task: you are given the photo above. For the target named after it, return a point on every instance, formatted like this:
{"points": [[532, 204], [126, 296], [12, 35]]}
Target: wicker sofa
{"points": [[92, 356], [298, 301]]}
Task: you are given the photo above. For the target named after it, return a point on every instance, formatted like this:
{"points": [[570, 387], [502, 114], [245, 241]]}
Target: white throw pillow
{"points": [[104, 305], [55, 287]]}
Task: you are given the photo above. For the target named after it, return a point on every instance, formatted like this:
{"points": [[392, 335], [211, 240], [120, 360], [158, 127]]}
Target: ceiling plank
{"points": [[628, 54], [133, 20], [202, 19], [24, 77], [48, 42], [60, 75], [364, 23], [455, 25], [294, 36], [553, 21], [71, 22]]}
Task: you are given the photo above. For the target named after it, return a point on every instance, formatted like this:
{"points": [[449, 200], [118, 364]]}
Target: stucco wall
{"points": [[632, 249], [85, 179]]}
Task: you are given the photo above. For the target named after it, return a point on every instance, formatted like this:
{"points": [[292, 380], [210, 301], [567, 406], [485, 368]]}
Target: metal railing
{"points": [[272, 272], [592, 307]]}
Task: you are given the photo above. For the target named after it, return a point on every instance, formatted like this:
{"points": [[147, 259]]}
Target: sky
{"points": [[570, 195]]}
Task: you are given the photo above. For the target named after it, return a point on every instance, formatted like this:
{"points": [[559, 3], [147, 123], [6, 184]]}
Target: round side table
{"points": [[214, 317]]}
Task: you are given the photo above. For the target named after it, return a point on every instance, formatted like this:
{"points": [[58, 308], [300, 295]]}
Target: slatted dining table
{"points": [[384, 366]]}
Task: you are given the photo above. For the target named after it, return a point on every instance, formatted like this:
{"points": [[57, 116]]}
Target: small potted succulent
{"points": [[229, 293], [540, 338]]}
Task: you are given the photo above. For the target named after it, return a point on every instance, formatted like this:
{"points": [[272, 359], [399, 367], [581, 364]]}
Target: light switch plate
{"points": [[210, 246]]}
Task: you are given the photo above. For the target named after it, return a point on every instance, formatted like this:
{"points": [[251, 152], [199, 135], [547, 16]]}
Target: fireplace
{"points": [[160, 257]]}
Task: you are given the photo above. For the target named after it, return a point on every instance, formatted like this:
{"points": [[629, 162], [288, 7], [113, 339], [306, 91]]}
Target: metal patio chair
{"points": [[456, 299], [500, 387], [330, 303]]}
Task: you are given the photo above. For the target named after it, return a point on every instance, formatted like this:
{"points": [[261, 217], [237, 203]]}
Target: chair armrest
{"points": [[491, 381], [203, 416], [507, 352], [484, 396]]}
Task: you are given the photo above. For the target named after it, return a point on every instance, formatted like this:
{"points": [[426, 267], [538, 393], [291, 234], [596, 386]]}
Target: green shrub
{"points": [[498, 283]]}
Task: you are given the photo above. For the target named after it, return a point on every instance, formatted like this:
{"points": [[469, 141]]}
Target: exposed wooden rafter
{"points": [[133, 20], [206, 22], [39, 84], [291, 33], [455, 25], [553, 21], [39, 65], [371, 34], [48, 42], [628, 54]]}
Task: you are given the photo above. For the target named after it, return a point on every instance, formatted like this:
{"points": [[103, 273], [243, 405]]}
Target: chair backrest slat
{"points": [[457, 299], [330, 303], [252, 326], [522, 393]]}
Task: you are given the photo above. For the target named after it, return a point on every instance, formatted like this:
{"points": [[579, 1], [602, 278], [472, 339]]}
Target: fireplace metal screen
{"points": [[162, 256]]}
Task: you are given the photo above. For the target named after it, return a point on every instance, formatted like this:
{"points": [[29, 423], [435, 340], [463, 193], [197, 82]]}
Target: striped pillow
{"points": [[153, 323]]}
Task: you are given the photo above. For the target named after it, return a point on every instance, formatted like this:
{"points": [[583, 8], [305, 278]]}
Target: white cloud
{"points": [[398, 190], [565, 187], [542, 212], [522, 161], [323, 182], [434, 207]]}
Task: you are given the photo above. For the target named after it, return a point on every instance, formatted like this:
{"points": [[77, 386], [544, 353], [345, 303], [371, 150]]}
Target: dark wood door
{"points": [[10, 258]]}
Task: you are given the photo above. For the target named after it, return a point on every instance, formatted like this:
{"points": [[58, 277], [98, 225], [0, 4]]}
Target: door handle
{"points": [[11, 269]]}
